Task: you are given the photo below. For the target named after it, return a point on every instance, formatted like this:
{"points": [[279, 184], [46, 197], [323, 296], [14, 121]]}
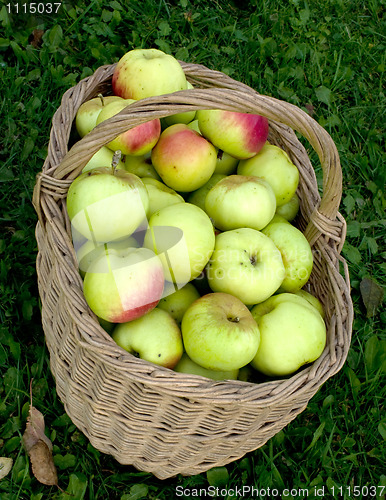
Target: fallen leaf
{"points": [[35, 429], [372, 295], [39, 447], [310, 108], [5, 466], [36, 38], [43, 467]]}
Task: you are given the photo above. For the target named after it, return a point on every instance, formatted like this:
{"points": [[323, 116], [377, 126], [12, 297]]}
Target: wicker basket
{"points": [[151, 417]]}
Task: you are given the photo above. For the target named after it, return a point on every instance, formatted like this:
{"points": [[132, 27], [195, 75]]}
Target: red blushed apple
{"points": [[183, 159], [241, 135], [123, 286], [144, 73], [138, 140]]}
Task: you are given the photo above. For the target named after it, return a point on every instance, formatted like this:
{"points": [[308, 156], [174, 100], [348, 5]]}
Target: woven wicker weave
{"points": [[158, 420]]}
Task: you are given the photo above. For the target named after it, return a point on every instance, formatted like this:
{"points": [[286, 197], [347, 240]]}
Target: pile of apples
{"points": [[182, 230]]}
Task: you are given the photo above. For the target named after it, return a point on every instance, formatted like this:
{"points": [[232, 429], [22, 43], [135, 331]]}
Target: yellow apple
{"points": [[144, 73], [154, 337], [198, 196], [274, 165], [183, 237], [106, 204], [87, 114], [177, 302], [240, 201], [219, 332], [290, 209], [296, 253], [247, 264], [183, 159], [292, 334]]}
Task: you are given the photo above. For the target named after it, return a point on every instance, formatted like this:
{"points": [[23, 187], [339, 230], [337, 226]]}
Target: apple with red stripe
{"points": [[121, 286], [183, 159], [136, 141], [241, 135]]}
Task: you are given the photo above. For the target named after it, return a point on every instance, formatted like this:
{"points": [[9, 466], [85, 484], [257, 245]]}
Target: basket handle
{"points": [[231, 96]]}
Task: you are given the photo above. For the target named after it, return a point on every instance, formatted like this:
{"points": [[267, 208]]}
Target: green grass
{"points": [[328, 58]]}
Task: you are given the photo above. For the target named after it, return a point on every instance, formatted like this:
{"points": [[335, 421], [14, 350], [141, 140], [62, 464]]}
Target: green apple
{"points": [[160, 195], [292, 334], [219, 332], [296, 253], [274, 165], [240, 201], [121, 286], [102, 158], [226, 164], [136, 141], [247, 264], [186, 365], [241, 135], [87, 114], [314, 301], [154, 337], [278, 298], [183, 159], [106, 204], [183, 237], [144, 73], [290, 209], [198, 196], [177, 303], [141, 166]]}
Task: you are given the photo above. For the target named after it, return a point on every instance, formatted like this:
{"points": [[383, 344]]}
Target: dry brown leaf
{"points": [[39, 447], [5, 466], [43, 467], [372, 295], [36, 38], [310, 109], [34, 431]]}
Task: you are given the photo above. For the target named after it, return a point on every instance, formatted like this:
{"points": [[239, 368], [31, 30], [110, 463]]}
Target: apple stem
{"points": [[116, 158], [101, 98]]}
